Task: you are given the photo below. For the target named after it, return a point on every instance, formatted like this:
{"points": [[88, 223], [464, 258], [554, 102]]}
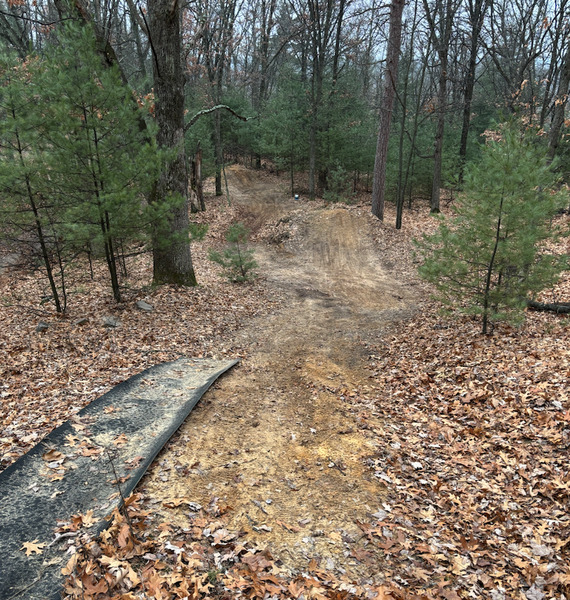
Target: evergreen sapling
{"points": [[490, 257], [237, 260]]}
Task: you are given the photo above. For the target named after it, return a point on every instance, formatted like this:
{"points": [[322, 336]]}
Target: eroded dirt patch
{"points": [[280, 443]]}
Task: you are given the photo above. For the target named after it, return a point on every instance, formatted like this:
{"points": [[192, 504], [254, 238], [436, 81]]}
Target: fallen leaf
{"points": [[35, 547]]}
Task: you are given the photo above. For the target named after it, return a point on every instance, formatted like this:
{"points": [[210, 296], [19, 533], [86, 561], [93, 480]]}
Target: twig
{"points": [[60, 536], [31, 584], [333, 463], [154, 54], [123, 499], [37, 311], [260, 506]]}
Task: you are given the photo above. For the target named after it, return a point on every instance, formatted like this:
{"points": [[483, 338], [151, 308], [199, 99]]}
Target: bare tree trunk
{"points": [[197, 178], [440, 32], [321, 26], [438, 141], [477, 10], [390, 80], [559, 106], [171, 256], [218, 151], [267, 24], [403, 172], [138, 43]]}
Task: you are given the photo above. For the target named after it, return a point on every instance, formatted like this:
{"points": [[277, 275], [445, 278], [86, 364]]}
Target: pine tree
{"points": [[100, 159], [237, 260], [76, 158], [490, 256], [29, 217]]}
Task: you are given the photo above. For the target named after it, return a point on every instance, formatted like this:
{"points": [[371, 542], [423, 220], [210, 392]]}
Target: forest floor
{"points": [[366, 446]]}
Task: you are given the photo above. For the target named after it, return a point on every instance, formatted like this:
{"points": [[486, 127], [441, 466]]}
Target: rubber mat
{"points": [[78, 467]]}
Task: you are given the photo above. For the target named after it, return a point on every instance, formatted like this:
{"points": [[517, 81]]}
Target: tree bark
{"points": [[171, 256], [218, 151], [438, 141], [196, 182], [559, 106], [320, 30], [477, 10], [440, 33], [558, 307], [390, 79]]}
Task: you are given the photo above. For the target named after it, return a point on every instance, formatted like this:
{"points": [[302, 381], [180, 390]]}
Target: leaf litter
{"points": [[455, 446]]}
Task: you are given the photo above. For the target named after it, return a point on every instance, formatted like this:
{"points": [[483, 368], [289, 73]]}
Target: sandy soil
{"points": [[283, 438]]}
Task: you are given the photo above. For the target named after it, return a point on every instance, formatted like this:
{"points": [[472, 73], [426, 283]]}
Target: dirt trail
{"points": [[283, 439]]}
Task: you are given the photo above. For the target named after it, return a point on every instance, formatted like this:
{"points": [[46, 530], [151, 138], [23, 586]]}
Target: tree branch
{"points": [[31, 19], [154, 54], [207, 111], [140, 22]]}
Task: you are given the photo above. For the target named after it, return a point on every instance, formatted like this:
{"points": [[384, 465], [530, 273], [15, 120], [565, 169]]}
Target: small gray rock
{"points": [[42, 326], [110, 322], [145, 306], [81, 321]]}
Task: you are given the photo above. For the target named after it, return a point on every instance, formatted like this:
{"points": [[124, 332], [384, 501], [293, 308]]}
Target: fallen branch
{"points": [[558, 307]]}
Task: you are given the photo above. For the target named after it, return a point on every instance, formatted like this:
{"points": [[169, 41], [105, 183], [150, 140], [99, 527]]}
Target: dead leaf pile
{"points": [[475, 456], [133, 560]]}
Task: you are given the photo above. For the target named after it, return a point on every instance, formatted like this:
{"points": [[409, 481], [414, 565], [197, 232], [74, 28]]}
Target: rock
{"points": [[42, 326], [110, 322], [81, 321], [145, 306]]}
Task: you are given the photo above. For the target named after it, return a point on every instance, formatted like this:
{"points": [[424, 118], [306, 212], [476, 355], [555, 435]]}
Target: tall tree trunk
{"points": [[390, 80], [477, 10], [38, 224], [402, 180], [196, 180], [260, 96], [440, 32], [321, 25], [218, 151], [438, 141], [313, 152], [135, 28], [559, 106], [171, 256]]}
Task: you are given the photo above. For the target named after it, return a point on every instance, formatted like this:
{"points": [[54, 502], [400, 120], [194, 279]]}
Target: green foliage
{"points": [[491, 255], [29, 217], [339, 187], [80, 164], [238, 136], [348, 129], [236, 260], [281, 129]]}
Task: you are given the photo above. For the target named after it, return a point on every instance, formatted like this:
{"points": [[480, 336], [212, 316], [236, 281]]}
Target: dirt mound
{"points": [[283, 439]]}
